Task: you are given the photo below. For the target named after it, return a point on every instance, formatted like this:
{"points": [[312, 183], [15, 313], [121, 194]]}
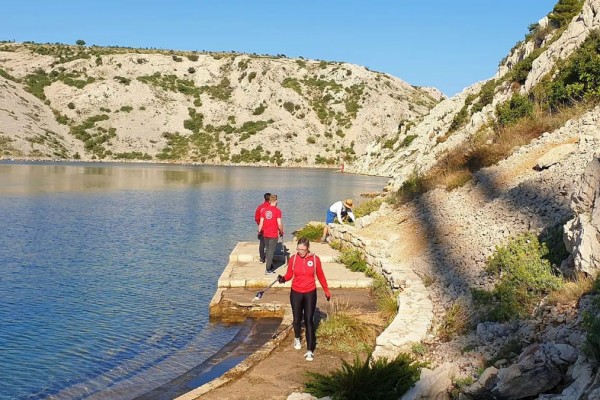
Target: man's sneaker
{"points": [[309, 356], [262, 260], [297, 344], [269, 271]]}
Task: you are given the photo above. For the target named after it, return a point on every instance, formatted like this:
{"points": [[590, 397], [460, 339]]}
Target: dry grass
{"points": [[344, 330], [387, 301], [486, 148], [457, 321], [571, 291]]}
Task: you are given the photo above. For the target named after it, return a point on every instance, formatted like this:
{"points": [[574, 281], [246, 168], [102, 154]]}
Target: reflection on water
{"points": [[107, 270], [80, 177]]}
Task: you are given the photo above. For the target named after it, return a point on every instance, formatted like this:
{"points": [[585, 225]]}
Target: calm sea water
{"points": [[107, 270]]}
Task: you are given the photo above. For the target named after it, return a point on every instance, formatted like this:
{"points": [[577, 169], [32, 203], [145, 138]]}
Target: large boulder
{"points": [[540, 368], [582, 233]]}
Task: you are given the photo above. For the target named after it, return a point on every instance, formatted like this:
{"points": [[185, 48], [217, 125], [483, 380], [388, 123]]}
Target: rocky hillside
{"points": [[455, 122], [531, 215], [77, 102]]}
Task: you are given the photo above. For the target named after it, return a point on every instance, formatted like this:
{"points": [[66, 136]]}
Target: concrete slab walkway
{"points": [[245, 275]]}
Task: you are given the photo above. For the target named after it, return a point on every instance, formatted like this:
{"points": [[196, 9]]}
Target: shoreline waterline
{"points": [[97, 255]]}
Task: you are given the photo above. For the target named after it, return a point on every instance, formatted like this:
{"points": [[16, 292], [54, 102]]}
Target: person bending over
{"points": [[341, 209]]}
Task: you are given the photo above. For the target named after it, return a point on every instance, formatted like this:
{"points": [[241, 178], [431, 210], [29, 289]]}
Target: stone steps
{"points": [[245, 270]]}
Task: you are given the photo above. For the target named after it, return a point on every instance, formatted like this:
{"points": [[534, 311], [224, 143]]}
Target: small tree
{"points": [[80, 42]]}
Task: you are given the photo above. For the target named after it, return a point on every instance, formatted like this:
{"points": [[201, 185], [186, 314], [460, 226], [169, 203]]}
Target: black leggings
{"points": [[305, 304]]}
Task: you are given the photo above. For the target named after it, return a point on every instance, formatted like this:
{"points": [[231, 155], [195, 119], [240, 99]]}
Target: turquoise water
{"points": [[107, 270]]}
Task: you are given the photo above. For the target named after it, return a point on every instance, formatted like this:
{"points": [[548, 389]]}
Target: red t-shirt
{"points": [[270, 226], [258, 210], [303, 270]]}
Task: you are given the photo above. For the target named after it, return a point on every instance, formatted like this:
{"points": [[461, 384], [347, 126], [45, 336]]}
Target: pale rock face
{"points": [[582, 233], [577, 31]]}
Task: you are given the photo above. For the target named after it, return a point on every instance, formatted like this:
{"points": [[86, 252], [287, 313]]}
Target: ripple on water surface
{"points": [[107, 271]]}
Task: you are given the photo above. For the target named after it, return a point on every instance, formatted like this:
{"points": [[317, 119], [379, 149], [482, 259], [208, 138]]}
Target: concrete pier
{"points": [[245, 275]]}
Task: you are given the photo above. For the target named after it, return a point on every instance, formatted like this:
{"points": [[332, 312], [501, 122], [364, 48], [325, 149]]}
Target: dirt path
{"points": [[284, 371]]}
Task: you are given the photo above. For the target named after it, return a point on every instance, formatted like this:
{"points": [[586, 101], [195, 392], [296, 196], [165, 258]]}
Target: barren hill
{"points": [[61, 102]]}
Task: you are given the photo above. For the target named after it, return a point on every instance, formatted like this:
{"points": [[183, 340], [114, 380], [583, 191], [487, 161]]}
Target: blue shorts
{"points": [[330, 217]]}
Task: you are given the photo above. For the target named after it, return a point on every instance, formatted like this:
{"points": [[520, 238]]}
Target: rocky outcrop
{"points": [[582, 233], [577, 31], [539, 368]]}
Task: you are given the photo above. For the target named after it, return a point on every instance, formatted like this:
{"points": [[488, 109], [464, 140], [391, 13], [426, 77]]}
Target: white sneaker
{"points": [[297, 344], [309, 356]]}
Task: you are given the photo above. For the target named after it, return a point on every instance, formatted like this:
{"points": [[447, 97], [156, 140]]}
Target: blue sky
{"points": [[445, 44]]}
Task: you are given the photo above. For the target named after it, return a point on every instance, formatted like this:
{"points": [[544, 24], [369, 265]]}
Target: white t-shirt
{"points": [[338, 207]]}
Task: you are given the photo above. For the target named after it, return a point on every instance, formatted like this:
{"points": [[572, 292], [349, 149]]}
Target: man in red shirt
{"points": [[261, 238], [271, 227]]}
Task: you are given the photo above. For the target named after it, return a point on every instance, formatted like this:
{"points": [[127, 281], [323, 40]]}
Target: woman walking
{"points": [[302, 269]]}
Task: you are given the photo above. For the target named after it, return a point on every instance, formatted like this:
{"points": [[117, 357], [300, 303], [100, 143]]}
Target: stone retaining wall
{"points": [[415, 309]]}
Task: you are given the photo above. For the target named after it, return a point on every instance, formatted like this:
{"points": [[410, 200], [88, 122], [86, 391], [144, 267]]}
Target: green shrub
{"points": [[516, 108], [8, 76], [289, 107], [177, 147], [552, 237], [250, 128], [521, 70], [408, 140], [459, 119], [389, 144], [486, 96], [123, 80], [564, 11], [578, 78], [311, 232], [249, 156], [369, 379], [456, 321], [411, 188], [525, 276], [36, 82], [385, 298], [367, 207], [353, 260], [260, 109], [293, 84], [133, 155]]}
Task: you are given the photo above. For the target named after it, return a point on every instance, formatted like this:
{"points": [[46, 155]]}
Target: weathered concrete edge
{"points": [[242, 367], [415, 308]]}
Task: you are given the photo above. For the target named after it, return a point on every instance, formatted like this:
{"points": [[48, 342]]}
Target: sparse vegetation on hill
{"points": [[319, 120]]}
